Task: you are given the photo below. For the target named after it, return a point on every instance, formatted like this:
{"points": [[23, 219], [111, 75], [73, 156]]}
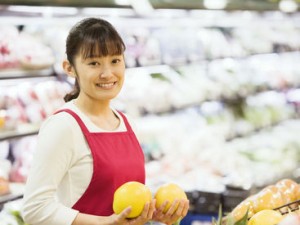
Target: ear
{"points": [[68, 68]]}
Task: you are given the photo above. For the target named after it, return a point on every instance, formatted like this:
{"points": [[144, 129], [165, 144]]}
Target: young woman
{"points": [[87, 149]]}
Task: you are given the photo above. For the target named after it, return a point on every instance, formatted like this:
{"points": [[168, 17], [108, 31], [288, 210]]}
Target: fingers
{"points": [[186, 208], [145, 213], [163, 206], [179, 208], [120, 218], [151, 209], [174, 207], [183, 208], [123, 215], [148, 210]]}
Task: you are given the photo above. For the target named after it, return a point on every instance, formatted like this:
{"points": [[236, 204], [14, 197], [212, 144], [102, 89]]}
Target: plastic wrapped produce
{"points": [[19, 50], [23, 152]]}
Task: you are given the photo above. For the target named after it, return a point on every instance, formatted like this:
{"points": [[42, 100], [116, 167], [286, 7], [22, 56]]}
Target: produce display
{"points": [[20, 50], [270, 206], [29, 103], [4, 186]]}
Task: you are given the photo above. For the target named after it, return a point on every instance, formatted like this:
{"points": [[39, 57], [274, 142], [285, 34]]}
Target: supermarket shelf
{"points": [[15, 73], [159, 68], [258, 5], [16, 192], [30, 130], [8, 198]]}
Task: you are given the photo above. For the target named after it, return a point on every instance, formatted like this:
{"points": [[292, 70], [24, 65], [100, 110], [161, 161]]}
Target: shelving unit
{"points": [[15, 74], [9, 198]]}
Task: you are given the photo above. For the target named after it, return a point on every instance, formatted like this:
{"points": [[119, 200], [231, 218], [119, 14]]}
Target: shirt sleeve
{"points": [[52, 159]]}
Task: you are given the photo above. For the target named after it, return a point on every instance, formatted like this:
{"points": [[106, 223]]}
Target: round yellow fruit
{"points": [[169, 192], [132, 194], [266, 217], [241, 209]]}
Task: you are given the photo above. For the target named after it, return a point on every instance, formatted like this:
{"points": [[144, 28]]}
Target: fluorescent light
{"points": [[215, 4], [49, 10], [142, 7], [122, 2], [288, 6], [96, 11]]}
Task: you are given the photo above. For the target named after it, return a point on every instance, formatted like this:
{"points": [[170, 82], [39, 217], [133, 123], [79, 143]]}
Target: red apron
{"points": [[117, 158]]}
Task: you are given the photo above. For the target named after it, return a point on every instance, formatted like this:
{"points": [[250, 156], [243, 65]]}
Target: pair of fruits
{"points": [[136, 195]]}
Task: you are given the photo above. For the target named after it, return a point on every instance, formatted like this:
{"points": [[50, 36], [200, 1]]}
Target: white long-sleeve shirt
{"points": [[61, 169]]}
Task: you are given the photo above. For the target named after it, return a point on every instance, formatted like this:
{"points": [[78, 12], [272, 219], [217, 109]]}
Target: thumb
{"points": [[125, 213]]}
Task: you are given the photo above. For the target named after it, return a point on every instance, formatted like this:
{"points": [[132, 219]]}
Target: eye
{"points": [[115, 61], [94, 63]]}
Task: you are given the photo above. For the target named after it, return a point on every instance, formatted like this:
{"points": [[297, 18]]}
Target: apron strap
{"points": [[128, 127], [82, 125]]}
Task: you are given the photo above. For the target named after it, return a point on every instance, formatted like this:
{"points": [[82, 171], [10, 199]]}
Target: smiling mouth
{"points": [[106, 85]]}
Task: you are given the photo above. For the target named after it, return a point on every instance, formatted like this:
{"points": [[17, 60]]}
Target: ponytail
{"points": [[74, 93]]}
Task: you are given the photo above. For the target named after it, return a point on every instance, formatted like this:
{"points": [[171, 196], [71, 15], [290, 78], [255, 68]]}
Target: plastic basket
{"points": [[290, 207]]}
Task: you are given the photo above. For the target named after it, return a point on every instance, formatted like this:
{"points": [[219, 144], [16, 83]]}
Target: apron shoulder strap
{"points": [[128, 127]]}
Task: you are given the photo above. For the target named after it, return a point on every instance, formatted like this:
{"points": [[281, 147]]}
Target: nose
{"points": [[105, 72]]}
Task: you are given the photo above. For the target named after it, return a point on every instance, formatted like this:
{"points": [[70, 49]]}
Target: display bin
{"points": [[232, 196], [203, 203], [197, 219]]}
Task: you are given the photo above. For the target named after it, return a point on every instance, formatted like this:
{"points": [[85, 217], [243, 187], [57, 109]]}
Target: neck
{"points": [[99, 113], [92, 107]]}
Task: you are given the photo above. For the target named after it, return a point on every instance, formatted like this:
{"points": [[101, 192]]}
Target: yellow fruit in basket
{"points": [[263, 200], [132, 194], [266, 217], [277, 198], [297, 192], [241, 209], [288, 189], [268, 198], [169, 192]]}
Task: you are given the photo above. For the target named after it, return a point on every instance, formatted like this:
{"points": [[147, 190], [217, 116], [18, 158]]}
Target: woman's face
{"points": [[100, 78]]}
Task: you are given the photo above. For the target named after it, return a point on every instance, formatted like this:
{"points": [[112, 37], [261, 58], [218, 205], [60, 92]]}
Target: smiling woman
{"points": [[92, 144]]}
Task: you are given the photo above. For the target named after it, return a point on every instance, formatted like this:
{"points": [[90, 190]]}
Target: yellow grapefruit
{"points": [[169, 192], [266, 217], [132, 194]]}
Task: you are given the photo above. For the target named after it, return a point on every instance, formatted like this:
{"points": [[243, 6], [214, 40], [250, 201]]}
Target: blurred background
{"points": [[211, 85]]}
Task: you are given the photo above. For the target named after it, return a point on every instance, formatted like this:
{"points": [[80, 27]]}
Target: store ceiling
{"points": [[259, 5]]}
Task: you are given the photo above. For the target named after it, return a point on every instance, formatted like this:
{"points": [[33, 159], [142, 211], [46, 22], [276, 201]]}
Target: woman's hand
{"points": [[173, 214], [145, 216]]}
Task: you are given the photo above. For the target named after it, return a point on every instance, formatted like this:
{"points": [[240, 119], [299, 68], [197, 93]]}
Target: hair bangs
{"points": [[101, 43]]}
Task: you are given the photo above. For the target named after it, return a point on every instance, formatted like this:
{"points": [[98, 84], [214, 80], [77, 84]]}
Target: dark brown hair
{"points": [[92, 37]]}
